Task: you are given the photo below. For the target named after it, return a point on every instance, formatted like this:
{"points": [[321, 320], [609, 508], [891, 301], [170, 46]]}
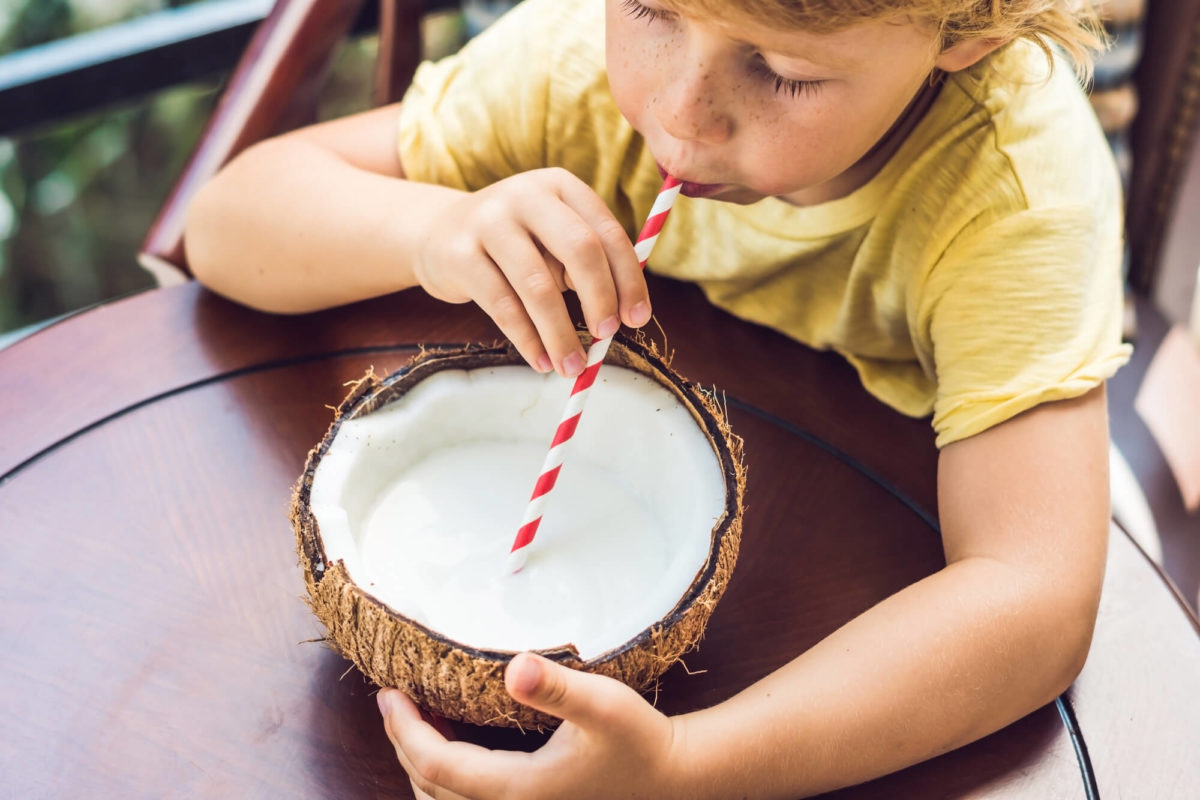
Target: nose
{"points": [[692, 106]]}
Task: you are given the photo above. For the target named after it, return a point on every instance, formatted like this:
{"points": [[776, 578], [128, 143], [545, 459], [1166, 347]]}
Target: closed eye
{"points": [[787, 86], [793, 87], [638, 11]]}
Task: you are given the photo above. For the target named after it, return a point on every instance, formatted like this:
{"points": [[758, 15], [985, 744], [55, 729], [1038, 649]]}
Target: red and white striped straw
{"points": [[579, 392]]}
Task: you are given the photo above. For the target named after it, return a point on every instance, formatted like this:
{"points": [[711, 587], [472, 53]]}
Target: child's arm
{"points": [[1002, 630], [323, 216], [999, 632]]}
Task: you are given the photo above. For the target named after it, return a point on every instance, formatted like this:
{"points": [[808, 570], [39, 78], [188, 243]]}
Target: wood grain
{"points": [[156, 642]]}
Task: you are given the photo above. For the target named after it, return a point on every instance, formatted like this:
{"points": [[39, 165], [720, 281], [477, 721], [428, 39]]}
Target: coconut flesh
{"points": [[416, 504], [422, 498]]}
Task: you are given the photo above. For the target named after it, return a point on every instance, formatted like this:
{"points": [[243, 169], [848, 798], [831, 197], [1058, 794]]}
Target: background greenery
{"points": [[77, 197]]}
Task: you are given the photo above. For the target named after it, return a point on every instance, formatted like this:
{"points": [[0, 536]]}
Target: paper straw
{"points": [[579, 392]]}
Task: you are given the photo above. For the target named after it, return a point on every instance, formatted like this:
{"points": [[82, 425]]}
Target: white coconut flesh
{"points": [[421, 500]]}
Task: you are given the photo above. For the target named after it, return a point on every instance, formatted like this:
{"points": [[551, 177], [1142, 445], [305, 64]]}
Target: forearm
{"points": [[289, 226], [948, 660]]}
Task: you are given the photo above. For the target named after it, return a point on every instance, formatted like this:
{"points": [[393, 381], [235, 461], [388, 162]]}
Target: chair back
{"points": [[273, 89], [1163, 133]]}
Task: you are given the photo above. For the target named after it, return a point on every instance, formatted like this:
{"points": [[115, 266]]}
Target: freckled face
{"points": [[759, 111]]}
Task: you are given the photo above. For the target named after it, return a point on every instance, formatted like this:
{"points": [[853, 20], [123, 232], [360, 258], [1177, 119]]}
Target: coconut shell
{"points": [[467, 684]]}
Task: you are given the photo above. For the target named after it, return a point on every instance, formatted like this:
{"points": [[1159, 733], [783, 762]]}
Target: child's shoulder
{"points": [[543, 56], [1010, 137], [545, 31], [1036, 121], [529, 86]]}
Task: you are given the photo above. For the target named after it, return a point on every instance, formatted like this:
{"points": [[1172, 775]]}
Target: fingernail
{"points": [[528, 676], [573, 365], [639, 315], [607, 328], [544, 364], [384, 698]]}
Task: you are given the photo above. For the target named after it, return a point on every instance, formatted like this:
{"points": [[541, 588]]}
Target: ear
{"points": [[966, 53]]}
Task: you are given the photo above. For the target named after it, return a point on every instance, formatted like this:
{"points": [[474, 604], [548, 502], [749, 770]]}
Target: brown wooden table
{"points": [[155, 643]]}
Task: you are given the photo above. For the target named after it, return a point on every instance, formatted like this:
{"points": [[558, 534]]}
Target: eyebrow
{"points": [[816, 59], [820, 59]]}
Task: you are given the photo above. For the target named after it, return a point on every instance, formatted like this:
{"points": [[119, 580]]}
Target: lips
{"points": [[701, 190], [694, 189]]}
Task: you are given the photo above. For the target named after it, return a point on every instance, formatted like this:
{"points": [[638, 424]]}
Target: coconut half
{"points": [[407, 508]]}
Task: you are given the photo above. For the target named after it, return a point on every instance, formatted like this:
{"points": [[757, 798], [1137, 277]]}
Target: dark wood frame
{"points": [[1164, 128]]}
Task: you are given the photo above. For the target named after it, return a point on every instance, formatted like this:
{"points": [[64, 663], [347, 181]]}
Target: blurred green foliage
{"points": [[78, 197], [25, 23]]}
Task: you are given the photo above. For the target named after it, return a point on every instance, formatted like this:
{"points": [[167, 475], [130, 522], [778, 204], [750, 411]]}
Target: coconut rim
{"points": [[371, 394]]}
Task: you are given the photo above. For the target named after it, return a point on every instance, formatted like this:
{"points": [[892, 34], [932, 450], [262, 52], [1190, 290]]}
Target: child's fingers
{"points": [[447, 770], [573, 242], [514, 252], [626, 271], [633, 298], [595, 703], [561, 278], [493, 293]]}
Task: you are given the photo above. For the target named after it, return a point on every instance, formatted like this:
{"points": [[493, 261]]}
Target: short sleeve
{"points": [[479, 115], [1023, 311], [530, 92]]}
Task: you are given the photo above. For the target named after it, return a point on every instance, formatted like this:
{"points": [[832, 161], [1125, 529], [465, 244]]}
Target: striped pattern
{"points": [[579, 392], [655, 219]]}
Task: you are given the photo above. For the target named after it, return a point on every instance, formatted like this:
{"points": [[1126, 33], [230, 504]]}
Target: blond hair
{"points": [[1073, 25]]}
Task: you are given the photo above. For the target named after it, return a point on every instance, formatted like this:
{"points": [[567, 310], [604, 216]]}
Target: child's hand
{"points": [[517, 245], [612, 743]]}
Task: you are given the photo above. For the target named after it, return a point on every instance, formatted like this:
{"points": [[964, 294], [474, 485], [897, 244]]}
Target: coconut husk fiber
{"points": [[467, 684]]}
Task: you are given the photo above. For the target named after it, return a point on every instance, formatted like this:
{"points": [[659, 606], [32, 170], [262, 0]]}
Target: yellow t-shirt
{"points": [[975, 276]]}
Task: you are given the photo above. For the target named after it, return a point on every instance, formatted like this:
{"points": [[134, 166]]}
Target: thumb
{"points": [[587, 700]]}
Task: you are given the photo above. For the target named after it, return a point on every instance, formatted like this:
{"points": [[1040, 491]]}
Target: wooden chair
{"points": [[273, 90], [1165, 153], [273, 87]]}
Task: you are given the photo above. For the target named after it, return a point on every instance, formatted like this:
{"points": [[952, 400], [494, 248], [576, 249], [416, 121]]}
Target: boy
{"points": [[908, 183]]}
